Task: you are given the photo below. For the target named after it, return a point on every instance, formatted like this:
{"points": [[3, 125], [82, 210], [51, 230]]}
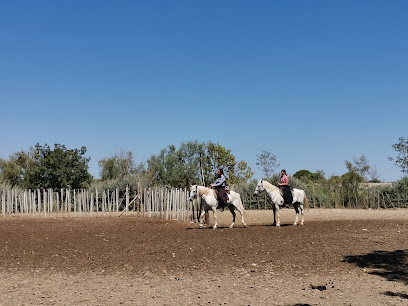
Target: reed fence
{"points": [[157, 202], [171, 203]]}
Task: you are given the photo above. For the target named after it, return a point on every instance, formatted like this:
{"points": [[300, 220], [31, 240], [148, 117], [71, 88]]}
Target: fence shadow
{"points": [[393, 265]]}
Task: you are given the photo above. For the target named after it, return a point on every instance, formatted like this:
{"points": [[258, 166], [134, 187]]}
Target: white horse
{"points": [[299, 200], [210, 202]]}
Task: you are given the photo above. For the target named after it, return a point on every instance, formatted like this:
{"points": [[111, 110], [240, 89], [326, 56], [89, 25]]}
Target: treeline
{"points": [[43, 167], [59, 167]]}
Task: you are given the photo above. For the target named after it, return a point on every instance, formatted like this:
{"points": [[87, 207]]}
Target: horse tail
{"points": [[305, 202], [243, 209], [242, 204]]}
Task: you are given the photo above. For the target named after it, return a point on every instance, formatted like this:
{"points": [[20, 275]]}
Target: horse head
{"points": [[193, 192], [259, 187]]}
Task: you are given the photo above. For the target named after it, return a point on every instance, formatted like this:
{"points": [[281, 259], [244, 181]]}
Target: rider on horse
{"points": [[219, 187], [284, 186]]}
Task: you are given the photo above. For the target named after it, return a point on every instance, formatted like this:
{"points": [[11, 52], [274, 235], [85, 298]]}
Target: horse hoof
{"points": [[294, 224], [277, 225], [245, 225], [301, 223], [231, 226]]}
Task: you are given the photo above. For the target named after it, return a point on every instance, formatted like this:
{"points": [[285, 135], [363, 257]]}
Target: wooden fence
{"points": [[157, 202]]}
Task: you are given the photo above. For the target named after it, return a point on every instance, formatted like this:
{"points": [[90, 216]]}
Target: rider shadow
{"points": [[392, 266]]}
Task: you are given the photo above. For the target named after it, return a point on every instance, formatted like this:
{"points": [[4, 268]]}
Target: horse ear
{"points": [[261, 180]]}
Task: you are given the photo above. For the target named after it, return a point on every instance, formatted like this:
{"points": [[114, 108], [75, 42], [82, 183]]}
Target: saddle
{"points": [[281, 192], [227, 190], [288, 197]]}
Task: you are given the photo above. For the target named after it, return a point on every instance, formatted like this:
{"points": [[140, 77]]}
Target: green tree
{"points": [[16, 170], [357, 170], [10, 172], [121, 171], [219, 157], [361, 166], [352, 179], [306, 175], [401, 149], [118, 166], [172, 167], [192, 153], [58, 168], [176, 167], [181, 167], [267, 162]]}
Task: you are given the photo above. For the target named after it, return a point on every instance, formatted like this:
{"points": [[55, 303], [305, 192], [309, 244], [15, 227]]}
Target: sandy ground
{"points": [[339, 257]]}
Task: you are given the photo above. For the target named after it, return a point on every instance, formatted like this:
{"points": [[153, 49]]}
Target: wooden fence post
{"points": [[139, 198], [57, 208], [127, 199], [91, 204], [3, 203], [117, 199], [96, 201]]}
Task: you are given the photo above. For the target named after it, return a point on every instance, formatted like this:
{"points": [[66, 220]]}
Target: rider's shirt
{"points": [[220, 181], [284, 179]]}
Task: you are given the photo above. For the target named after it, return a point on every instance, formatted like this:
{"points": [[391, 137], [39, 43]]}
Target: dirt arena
{"points": [[339, 257]]}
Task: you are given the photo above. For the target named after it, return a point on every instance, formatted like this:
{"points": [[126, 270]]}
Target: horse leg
{"points": [[276, 216], [232, 210], [241, 211], [240, 207], [302, 220], [201, 218], [296, 207], [214, 208]]}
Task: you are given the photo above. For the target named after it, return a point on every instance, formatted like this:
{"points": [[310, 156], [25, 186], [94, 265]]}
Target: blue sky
{"points": [[314, 82]]}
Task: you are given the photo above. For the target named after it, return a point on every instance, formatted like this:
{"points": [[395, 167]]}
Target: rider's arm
{"points": [[284, 181]]}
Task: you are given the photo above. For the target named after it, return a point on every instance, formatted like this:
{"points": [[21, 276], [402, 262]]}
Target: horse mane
{"points": [[269, 185], [203, 190]]}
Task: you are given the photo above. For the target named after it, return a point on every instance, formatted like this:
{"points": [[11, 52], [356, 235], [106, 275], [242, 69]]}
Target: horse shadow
{"points": [[274, 225], [392, 266], [237, 226], [211, 228]]}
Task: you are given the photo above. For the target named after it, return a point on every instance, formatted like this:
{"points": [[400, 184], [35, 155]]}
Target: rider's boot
{"points": [[221, 206]]}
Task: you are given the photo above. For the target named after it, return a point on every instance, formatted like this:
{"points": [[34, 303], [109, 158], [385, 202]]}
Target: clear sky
{"points": [[314, 82]]}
